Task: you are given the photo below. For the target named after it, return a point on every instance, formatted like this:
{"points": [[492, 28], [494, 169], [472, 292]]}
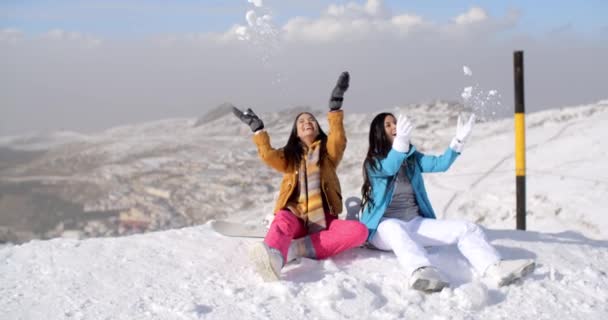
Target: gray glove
{"points": [[249, 118], [337, 95]]}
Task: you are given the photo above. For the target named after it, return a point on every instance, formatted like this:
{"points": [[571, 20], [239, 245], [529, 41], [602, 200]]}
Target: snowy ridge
{"points": [[41, 140], [177, 172]]}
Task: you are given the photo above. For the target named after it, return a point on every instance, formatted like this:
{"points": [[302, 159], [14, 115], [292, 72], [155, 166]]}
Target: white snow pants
{"points": [[408, 239]]}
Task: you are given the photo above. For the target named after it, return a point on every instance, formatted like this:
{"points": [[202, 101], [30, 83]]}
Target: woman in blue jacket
{"points": [[400, 218]]}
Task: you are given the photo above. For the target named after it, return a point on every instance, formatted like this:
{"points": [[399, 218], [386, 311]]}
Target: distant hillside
{"points": [[182, 172]]}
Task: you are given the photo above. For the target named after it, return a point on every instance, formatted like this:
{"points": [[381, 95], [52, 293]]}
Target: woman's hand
{"points": [[403, 134], [249, 118], [337, 94], [463, 130]]}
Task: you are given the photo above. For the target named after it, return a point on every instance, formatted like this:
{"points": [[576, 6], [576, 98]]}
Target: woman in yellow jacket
{"points": [[309, 198]]}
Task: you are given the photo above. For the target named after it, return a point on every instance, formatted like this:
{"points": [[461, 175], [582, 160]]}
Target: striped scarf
{"points": [[310, 200]]}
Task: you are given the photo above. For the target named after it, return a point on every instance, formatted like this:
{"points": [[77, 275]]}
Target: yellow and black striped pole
{"points": [[520, 140]]}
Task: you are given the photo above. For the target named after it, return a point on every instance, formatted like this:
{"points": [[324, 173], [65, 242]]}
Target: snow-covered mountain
{"points": [[158, 175], [181, 172]]}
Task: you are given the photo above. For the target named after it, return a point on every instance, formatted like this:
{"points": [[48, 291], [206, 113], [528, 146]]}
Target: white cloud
{"points": [[355, 22], [56, 34], [405, 22], [321, 30], [375, 8], [10, 35], [474, 15], [71, 36], [241, 32], [371, 9], [351, 21]]}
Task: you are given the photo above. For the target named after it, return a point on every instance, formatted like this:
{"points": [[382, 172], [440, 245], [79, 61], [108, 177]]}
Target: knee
{"points": [[471, 228], [355, 231], [391, 227], [284, 219], [360, 232]]}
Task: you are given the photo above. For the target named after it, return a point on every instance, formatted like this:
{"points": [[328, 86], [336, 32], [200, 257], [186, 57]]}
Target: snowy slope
{"points": [[193, 273]]}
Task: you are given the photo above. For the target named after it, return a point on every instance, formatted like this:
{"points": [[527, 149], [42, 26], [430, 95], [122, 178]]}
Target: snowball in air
{"points": [[251, 18], [257, 3], [467, 92]]}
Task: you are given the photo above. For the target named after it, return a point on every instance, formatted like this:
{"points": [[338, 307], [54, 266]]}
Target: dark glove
{"points": [[337, 95], [249, 118]]}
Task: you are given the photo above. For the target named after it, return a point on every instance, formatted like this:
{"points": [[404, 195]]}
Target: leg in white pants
{"points": [[393, 235], [408, 239]]}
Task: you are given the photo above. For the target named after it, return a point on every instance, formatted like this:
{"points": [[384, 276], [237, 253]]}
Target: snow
{"points": [[251, 18], [466, 93], [467, 71], [262, 37], [257, 3], [37, 141], [194, 273], [485, 103]]}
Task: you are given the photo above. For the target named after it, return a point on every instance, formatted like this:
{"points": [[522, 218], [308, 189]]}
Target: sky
{"points": [[90, 65], [135, 18]]}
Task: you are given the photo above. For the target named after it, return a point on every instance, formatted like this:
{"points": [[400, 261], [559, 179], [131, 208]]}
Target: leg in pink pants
{"points": [[339, 236]]}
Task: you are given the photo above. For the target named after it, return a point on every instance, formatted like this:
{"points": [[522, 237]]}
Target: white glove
{"points": [[463, 131], [404, 129]]}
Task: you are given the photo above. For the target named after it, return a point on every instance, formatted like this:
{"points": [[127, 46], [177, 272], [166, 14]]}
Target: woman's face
{"points": [[390, 127], [307, 127]]}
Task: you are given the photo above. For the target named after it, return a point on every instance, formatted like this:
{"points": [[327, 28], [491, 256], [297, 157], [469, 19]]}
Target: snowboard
{"points": [[353, 208], [244, 230], [236, 229]]}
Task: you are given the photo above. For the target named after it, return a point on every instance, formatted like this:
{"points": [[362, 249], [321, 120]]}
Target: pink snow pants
{"points": [[339, 236]]}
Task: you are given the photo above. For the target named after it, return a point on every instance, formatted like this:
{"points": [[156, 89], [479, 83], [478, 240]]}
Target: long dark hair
{"points": [[379, 147], [294, 148]]}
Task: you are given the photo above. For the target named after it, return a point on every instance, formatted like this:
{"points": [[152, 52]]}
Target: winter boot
{"points": [[301, 247], [505, 272], [267, 261], [427, 279]]}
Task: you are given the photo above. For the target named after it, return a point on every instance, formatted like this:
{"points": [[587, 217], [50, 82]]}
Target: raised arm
{"points": [[274, 158], [390, 165], [336, 140], [444, 161], [400, 150], [440, 163]]}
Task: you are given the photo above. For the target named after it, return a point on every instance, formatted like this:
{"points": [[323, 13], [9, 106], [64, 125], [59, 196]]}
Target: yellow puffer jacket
{"points": [[330, 185]]}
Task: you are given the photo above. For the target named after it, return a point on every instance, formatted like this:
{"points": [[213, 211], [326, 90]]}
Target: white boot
{"points": [[505, 272], [427, 279], [267, 261]]}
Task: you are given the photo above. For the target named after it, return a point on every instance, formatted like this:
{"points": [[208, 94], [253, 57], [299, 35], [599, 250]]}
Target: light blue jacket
{"points": [[382, 181]]}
